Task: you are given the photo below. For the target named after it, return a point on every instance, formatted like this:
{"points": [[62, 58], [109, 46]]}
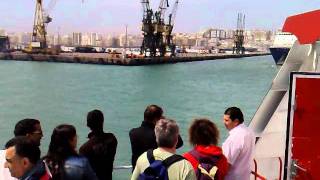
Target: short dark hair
{"points": [[25, 126], [25, 148], [95, 120], [203, 132], [152, 112], [234, 113]]}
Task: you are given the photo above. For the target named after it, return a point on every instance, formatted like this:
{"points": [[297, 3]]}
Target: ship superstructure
{"points": [[282, 43]]}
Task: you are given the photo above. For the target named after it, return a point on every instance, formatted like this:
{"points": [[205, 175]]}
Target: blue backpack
{"points": [[158, 169]]}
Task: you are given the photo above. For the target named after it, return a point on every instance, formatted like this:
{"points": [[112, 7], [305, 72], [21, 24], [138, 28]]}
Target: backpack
{"points": [[158, 169], [207, 169]]}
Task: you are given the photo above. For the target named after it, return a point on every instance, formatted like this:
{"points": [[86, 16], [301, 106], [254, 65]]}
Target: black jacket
{"points": [[36, 173], [142, 139], [100, 150]]}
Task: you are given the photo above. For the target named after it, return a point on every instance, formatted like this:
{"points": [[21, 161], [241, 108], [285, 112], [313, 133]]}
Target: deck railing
{"points": [[259, 176]]}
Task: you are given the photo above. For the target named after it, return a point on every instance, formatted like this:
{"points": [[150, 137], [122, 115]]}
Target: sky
{"points": [[106, 16]]}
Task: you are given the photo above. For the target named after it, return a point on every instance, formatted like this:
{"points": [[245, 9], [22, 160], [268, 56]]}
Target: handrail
{"points": [[122, 167], [255, 173], [280, 170]]}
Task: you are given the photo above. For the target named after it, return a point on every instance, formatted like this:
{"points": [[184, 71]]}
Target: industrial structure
{"points": [[239, 35], [38, 42], [4, 44], [157, 29]]}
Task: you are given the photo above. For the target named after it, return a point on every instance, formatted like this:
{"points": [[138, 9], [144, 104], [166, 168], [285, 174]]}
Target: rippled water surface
{"points": [[59, 93]]}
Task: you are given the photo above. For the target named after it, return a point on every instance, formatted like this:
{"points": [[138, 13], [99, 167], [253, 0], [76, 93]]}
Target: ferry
{"points": [[282, 43], [287, 123]]}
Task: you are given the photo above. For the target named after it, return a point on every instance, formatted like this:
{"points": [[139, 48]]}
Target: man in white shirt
{"points": [[239, 146], [30, 128]]}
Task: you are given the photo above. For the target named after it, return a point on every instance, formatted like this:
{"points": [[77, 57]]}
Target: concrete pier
{"points": [[115, 59]]}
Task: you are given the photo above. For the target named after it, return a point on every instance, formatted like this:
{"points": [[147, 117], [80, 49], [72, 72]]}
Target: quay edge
{"points": [[107, 59]]}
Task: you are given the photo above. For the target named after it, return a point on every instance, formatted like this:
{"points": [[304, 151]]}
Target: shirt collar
{"points": [[233, 130]]}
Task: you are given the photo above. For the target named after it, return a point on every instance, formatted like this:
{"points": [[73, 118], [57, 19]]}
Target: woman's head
{"points": [[203, 132], [63, 141]]}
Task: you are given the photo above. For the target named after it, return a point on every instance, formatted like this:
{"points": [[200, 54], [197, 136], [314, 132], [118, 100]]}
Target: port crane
{"points": [[42, 18], [239, 35], [157, 33]]}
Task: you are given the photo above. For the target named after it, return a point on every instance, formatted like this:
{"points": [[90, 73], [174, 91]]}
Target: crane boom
{"points": [[50, 6], [164, 4], [172, 16]]}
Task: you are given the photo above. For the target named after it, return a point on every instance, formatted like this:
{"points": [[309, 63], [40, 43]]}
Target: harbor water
{"points": [[59, 93]]}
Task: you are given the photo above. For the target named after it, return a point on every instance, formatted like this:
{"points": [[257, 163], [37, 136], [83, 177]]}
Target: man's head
{"points": [[232, 117], [21, 156], [153, 113], [30, 128], [95, 120], [167, 132]]}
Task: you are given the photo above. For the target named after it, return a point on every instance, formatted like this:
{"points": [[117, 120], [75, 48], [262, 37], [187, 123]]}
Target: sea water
{"points": [[58, 93]]}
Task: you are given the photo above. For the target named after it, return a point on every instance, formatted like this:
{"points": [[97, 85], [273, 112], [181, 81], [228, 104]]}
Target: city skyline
{"points": [[111, 17]]}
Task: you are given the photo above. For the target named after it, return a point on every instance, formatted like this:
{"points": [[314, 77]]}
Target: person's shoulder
{"points": [[135, 130], [246, 130], [109, 135], [87, 146], [142, 159], [184, 167]]}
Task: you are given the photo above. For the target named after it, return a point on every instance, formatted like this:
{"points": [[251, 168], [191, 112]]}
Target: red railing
{"points": [[255, 172], [280, 170]]}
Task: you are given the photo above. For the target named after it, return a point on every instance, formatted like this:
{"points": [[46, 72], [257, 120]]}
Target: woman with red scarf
{"points": [[206, 157]]}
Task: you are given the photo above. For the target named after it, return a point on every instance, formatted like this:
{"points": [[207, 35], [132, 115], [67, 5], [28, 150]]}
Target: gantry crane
{"points": [[239, 35], [169, 28], [157, 33], [38, 42]]}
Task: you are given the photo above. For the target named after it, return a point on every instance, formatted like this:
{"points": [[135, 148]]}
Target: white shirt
{"points": [[4, 172], [238, 148]]}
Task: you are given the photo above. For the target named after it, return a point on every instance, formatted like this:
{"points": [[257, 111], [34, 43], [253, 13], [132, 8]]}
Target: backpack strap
{"points": [[172, 159], [150, 156]]}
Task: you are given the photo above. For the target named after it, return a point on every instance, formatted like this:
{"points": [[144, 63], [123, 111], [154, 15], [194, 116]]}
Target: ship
{"points": [[286, 124], [282, 43]]}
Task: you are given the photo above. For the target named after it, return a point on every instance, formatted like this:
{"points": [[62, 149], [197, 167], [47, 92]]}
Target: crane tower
{"points": [[39, 32], [157, 29], [239, 35]]}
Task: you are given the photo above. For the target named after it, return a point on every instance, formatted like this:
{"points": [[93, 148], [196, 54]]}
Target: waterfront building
{"points": [[77, 38]]}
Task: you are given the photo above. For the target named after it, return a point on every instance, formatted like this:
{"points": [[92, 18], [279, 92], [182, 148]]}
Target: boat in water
{"points": [[287, 123], [282, 43]]}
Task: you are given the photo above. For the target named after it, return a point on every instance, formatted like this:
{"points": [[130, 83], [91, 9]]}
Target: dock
{"points": [[116, 59]]}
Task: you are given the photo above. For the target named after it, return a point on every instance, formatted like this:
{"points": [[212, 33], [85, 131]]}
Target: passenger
{"points": [[167, 132], [30, 128], [62, 159], [101, 147], [239, 146], [204, 136], [23, 160], [143, 138]]}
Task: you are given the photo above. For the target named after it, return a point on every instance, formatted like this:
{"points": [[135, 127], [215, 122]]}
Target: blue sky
{"points": [[105, 16]]}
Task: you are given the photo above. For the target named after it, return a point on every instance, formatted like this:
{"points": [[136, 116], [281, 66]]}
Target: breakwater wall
{"points": [[115, 59]]}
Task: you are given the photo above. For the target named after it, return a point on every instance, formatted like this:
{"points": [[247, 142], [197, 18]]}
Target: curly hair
{"points": [[203, 132]]}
